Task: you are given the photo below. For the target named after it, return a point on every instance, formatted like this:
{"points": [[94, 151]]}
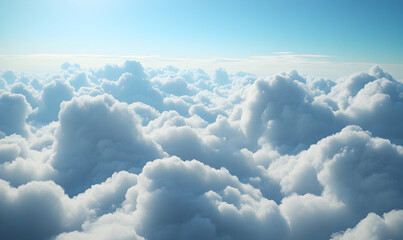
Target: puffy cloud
{"points": [[363, 171], [178, 104], [107, 196], [146, 112], [36, 210], [281, 112], [14, 110], [43, 210], [176, 86], [116, 226], [360, 170], [182, 200], [378, 107], [67, 65], [174, 199], [314, 217], [26, 159], [133, 88], [113, 72], [375, 227], [29, 93], [52, 95], [9, 76], [286, 157], [323, 85], [80, 80], [98, 136], [221, 76], [338, 181]]}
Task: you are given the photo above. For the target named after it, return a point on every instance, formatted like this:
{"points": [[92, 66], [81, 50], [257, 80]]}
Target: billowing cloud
{"points": [[52, 95], [132, 88], [14, 109], [174, 199], [375, 227], [96, 137], [127, 152], [338, 181], [280, 111], [36, 210]]}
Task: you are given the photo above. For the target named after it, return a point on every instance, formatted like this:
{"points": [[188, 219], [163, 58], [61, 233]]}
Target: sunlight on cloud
{"points": [[123, 151]]}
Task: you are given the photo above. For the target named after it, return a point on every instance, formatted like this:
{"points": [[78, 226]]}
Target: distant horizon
{"points": [[263, 66]]}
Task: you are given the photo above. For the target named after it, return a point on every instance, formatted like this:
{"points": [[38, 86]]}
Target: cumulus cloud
{"points": [[174, 199], [98, 136], [42, 210], [80, 80], [128, 152], [9, 76], [133, 88], [14, 109], [191, 200], [221, 76], [280, 111], [36, 210], [52, 95], [338, 181], [375, 227]]}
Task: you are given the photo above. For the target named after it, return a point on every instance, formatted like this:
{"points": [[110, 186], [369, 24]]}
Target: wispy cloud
{"points": [[319, 65]]}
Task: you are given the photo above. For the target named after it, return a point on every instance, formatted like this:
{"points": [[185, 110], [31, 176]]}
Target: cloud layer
{"points": [[126, 152]]}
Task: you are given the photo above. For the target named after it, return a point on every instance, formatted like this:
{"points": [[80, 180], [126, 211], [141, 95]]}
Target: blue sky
{"points": [[342, 31], [349, 30]]}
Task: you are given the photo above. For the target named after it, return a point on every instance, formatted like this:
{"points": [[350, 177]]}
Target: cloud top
{"points": [[128, 152]]}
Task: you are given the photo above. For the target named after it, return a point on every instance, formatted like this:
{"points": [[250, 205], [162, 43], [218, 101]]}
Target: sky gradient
{"points": [[347, 31]]}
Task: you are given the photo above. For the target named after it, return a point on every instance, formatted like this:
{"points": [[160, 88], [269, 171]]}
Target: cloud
{"points": [[116, 226], [314, 217], [281, 112], [107, 196], [114, 72], [375, 227], [29, 93], [52, 95], [14, 109], [221, 76], [80, 80], [9, 76], [378, 107], [96, 137], [36, 210], [128, 152], [338, 181], [133, 88], [42, 210]]}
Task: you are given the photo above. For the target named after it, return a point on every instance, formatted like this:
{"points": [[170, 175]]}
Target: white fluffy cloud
{"points": [[338, 181], [52, 95], [98, 136], [375, 227], [174, 199], [280, 111], [14, 110], [126, 152], [36, 210]]}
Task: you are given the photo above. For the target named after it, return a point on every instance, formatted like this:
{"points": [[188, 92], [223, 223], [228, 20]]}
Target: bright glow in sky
{"points": [[367, 31]]}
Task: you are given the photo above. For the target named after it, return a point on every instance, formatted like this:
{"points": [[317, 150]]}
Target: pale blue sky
{"points": [[349, 31]]}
